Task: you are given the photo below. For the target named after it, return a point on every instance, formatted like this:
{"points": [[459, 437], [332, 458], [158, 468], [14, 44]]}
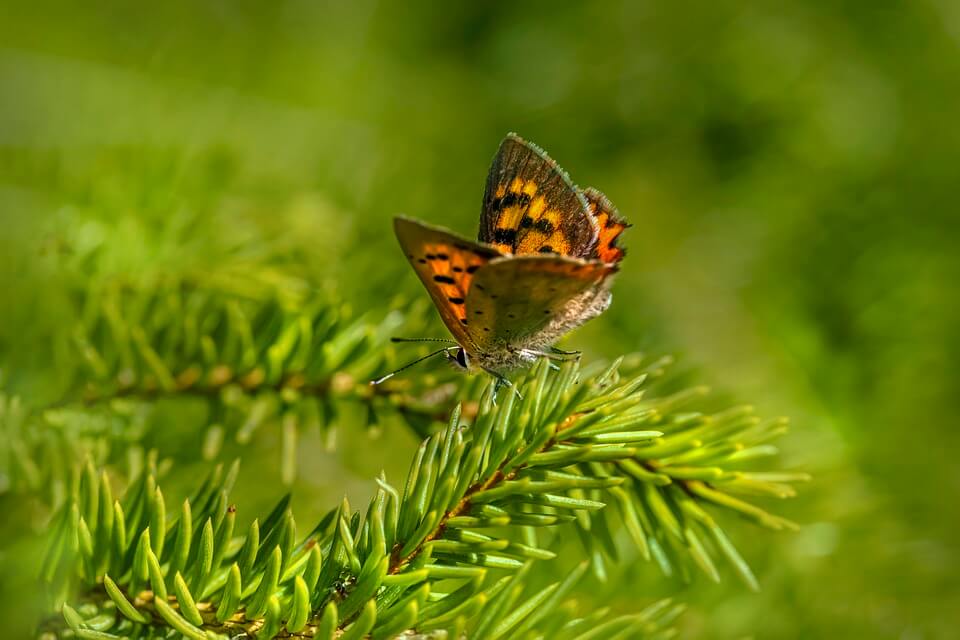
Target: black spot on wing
{"points": [[444, 279], [511, 199], [545, 226], [505, 236]]}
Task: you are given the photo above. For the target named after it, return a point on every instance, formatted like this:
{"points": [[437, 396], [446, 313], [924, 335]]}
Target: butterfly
{"points": [[543, 264]]}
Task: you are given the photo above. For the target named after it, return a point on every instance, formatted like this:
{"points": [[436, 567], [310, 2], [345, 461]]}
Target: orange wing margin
{"points": [[610, 224]]}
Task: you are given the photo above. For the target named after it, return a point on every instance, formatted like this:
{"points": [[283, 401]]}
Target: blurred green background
{"points": [[790, 171]]}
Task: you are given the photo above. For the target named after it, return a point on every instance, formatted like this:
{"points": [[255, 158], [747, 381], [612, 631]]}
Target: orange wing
{"points": [[445, 264], [610, 224]]}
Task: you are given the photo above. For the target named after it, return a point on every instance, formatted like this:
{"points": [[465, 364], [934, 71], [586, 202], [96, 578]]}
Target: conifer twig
{"points": [[437, 553]]}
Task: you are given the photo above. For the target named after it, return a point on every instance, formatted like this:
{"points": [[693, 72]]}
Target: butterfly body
{"points": [[543, 265]]}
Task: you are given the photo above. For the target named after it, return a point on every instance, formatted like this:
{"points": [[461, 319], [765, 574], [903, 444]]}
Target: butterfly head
{"points": [[454, 354], [459, 358]]}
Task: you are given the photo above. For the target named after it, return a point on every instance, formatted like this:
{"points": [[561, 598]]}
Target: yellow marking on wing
{"points": [[501, 190], [552, 216], [530, 187], [532, 241], [535, 240], [510, 217], [516, 186], [537, 206], [559, 243]]}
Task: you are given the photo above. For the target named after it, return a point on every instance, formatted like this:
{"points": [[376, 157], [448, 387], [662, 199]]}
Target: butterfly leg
{"points": [[500, 382], [553, 355]]}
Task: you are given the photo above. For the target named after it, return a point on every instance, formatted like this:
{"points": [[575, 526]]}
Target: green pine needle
{"points": [[558, 458]]}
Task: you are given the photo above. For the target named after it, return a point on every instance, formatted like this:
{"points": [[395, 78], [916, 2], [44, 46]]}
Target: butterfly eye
{"points": [[462, 359]]}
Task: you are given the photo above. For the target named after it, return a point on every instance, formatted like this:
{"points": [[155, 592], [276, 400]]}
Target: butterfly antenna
{"points": [[443, 340], [410, 364]]}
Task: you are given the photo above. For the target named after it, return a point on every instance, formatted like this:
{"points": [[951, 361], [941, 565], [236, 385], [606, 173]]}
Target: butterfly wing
{"points": [[531, 301], [609, 224], [531, 206], [445, 264]]}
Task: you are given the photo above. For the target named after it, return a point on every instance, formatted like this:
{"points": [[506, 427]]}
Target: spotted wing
{"points": [[531, 206], [445, 264], [610, 225], [530, 301]]}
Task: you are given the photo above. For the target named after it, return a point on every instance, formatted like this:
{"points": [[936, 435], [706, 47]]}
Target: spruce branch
{"points": [[179, 339], [445, 552], [254, 361], [39, 450]]}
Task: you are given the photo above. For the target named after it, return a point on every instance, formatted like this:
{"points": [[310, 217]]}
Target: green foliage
{"points": [[787, 167], [250, 361], [444, 553]]}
